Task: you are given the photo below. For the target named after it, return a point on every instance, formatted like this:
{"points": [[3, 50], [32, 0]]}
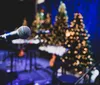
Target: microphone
{"points": [[23, 32]]}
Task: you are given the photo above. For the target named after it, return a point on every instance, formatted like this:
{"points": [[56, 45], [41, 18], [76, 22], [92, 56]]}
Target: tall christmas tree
{"points": [[79, 56], [52, 35], [56, 35], [60, 26]]}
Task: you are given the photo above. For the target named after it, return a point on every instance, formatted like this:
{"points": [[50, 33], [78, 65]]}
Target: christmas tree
{"points": [[35, 27], [60, 26], [56, 35], [79, 56], [37, 23], [42, 15], [45, 30]]}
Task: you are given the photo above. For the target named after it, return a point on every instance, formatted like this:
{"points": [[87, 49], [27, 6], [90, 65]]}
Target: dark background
{"points": [[12, 13]]}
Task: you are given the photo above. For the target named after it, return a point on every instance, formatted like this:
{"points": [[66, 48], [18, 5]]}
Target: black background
{"points": [[12, 13]]}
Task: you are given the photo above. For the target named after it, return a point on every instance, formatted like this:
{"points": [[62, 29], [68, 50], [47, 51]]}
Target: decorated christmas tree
{"points": [[35, 26], [37, 23], [60, 26], [79, 56], [45, 30], [56, 36]]}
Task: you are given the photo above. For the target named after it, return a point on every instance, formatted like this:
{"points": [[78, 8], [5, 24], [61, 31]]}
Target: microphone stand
{"points": [[85, 73]]}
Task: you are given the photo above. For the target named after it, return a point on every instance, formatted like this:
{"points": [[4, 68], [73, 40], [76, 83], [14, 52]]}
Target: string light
{"points": [[72, 33], [89, 56], [71, 37], [80, 72], [77, 62], [86, 38], [76, 69], [69, 52], [84, 52], [69, 45], [66, 57], [72, 41], [91, 63], [75, 52], [77, 33], [85, 49], [67, 33], [78, 56], [63, 60]]}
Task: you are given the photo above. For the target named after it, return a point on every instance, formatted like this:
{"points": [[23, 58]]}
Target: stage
{"points": [[21, 68]]}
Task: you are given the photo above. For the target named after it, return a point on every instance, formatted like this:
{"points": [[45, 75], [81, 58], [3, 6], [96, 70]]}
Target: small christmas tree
{"points": [[42, 15], [35, 26], [79, 55], [45, 30]]}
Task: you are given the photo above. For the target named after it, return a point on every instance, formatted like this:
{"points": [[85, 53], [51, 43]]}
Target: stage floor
{"points": [[41, 73]]}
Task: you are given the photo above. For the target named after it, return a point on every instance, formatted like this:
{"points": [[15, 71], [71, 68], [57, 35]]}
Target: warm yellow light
{"points": [[76, 69], [77, 62], [80, 72], [66, 57], [84, 52], [78, 56], [75, 52], [67, 33], [72, 33], [89, 56], [86, 38], [69, 52], [63, 60], [69, 45], [91, 63], [85, 49], [78, 40], [77, 33]]}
